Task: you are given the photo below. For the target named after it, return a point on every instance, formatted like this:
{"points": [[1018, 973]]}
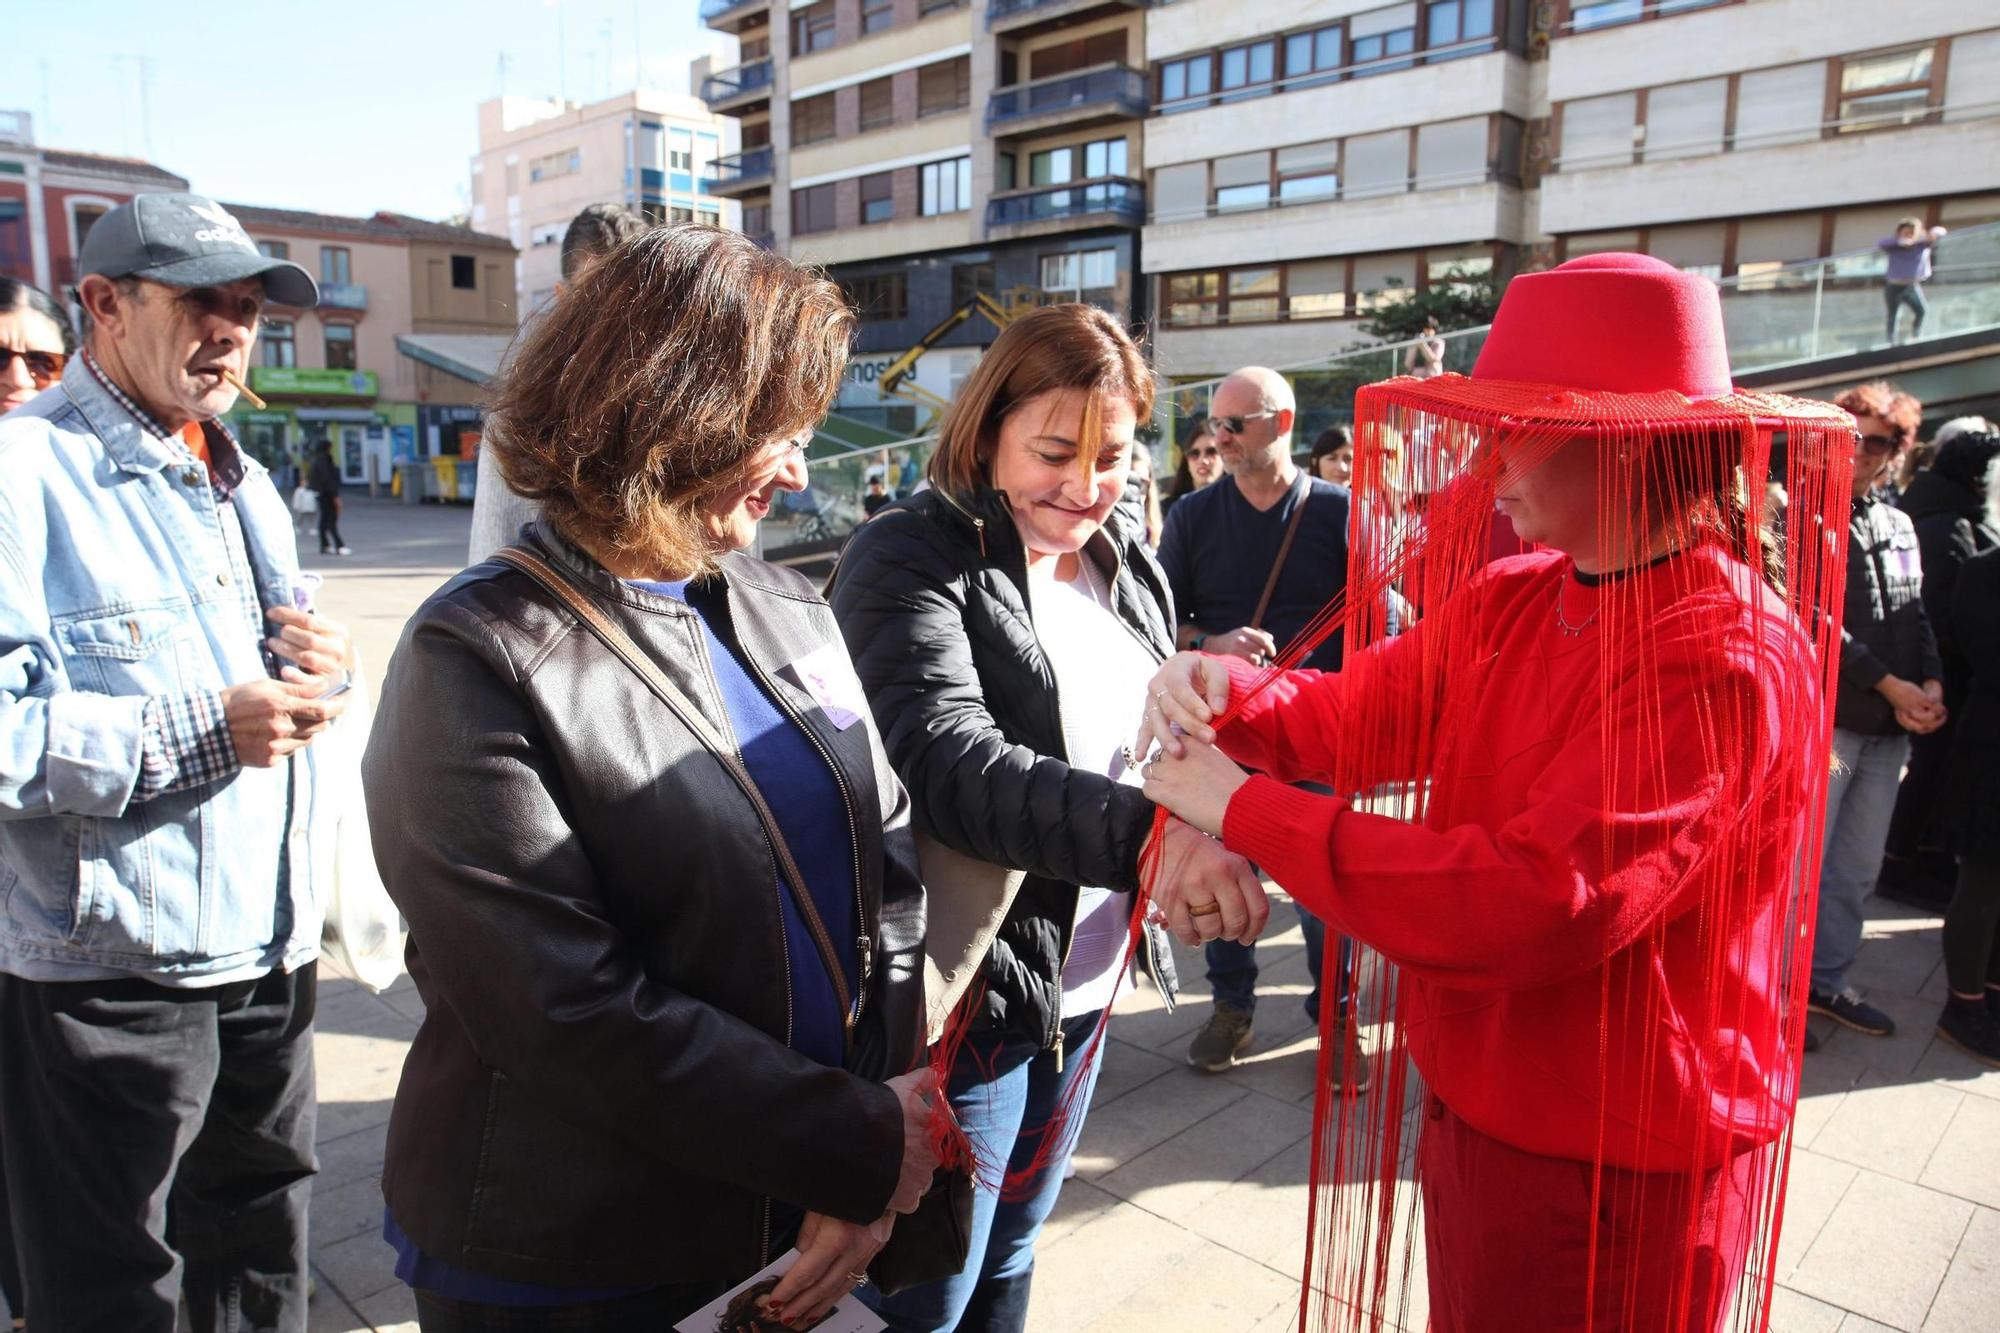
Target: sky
{"points": [[339, 106]]}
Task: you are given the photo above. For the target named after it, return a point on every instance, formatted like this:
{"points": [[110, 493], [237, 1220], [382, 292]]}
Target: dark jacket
{"points": [[1884, 630], [1947, 505], [601, 1093], [1974, 790], [322, 477], [932, 595]]}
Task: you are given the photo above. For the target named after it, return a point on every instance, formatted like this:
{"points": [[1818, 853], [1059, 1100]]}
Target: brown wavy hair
{"points": [[650, 386], [1067, 346], [1879, 398]]}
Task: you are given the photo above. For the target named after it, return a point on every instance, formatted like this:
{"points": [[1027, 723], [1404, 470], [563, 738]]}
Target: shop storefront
{"points": [[308, 407]]}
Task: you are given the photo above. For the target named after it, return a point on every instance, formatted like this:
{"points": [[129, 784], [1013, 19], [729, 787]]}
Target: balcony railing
{"points": [[741, 81], [1000, 10], [1117, 196], [343, 296], [712, 10], [740, 169], [1117, 89]]}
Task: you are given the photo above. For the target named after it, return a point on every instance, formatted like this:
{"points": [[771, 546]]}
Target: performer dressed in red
{"points": [[1600, 763]]}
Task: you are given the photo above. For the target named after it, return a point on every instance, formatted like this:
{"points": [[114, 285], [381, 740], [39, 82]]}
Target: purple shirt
{"points": [[1907, 263]]}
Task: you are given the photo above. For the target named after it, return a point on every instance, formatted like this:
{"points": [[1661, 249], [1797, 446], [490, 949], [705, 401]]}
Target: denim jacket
{"points": [[115, 586]]}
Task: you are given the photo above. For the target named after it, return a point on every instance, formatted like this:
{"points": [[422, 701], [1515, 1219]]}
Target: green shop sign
{"points": [[268, 380]]}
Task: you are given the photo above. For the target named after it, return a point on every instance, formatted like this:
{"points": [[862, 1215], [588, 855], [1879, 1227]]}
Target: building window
{"points": [[1449, 268], [567, 162], [1194, 299], [1779, 106], [1316, 289], [1248, 71], [464, 273], [1254, 293], [708, 217], [1381, 281], [1242, 181], [1081, 161], [680, 213], [274, 249], [944, 187], [281, 348], [1685, 119], [812, 119], [813, 28], [971, 280], [1598, 131], [929, 7], [878, 103], [336, 264], [680, 150], [877, 15], [1377, 164], [812, 209], [1884, 90], [1188, 83], [340, 347], [1587, 14], [881, 296], [546, 234], [878, 197], [1454, 22], [1080, 274], [1104, 48], [1451, 152], [1381, 35], [944, 86], [1312, 57], [751, 49], [1309, 171]]}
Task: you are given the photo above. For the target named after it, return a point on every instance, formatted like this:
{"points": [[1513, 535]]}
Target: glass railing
{"points": [[711, 10], [1123, 199], [1837, 306], [1112, 87], [733, 83], [751, 165], [852, 469], [1006, 9]]}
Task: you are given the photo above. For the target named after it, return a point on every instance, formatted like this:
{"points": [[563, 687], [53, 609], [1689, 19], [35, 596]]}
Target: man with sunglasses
{"points": [[1251, 559], [1890, 688], [158, 690]]}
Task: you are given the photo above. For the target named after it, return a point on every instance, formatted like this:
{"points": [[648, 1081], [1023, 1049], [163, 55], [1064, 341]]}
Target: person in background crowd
{"points": [[1425, 359], [1200, 465], [323, 480], [1891, 687], [1946, 504], [1018, 569], [157, 688], [1251, 560], [498, 513], [1909, 266], [35, 342], [641, 1076], [1333, 456], [1971, 1016], [876, 497]]}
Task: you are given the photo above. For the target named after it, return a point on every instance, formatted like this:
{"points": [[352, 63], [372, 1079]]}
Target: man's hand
{"points": [[313, 647], [269, 719], [1252, 645], [1919, 709], [833, 1260], [1196, 871]]}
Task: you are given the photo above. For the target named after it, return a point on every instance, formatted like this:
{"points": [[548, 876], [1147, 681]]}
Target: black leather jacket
{"points": [[1884, 630], [601, 1093], [932, 595]]}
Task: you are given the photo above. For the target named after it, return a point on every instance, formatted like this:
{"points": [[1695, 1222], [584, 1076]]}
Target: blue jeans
{"points": [[1004, 1093], [1232, 969], [1860, 801], [1896, 295]]}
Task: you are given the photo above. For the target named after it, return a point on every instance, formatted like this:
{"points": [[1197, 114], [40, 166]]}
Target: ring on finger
{"points": [[1205, 909], [858, 1279]]}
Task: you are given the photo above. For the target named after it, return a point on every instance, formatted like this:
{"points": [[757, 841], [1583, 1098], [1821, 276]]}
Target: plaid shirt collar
{"points": [[226, 471]]}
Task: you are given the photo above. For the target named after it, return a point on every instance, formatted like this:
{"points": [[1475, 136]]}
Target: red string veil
{"points": [[1682, 950]]}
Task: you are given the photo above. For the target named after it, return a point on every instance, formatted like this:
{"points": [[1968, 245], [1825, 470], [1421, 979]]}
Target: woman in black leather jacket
{"points": [[651, 1056], [1004, 624]]}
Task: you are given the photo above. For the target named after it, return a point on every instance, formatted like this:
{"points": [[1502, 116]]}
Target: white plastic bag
{"points": [[304, 501], [363, 935]]}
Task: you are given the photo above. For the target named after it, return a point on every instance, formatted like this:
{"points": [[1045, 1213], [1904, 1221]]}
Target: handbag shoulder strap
{"points": [[625, 650], [1284, 550]]}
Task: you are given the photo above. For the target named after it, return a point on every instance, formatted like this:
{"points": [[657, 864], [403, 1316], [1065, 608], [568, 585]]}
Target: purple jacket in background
{"points": [[1907, 263]]}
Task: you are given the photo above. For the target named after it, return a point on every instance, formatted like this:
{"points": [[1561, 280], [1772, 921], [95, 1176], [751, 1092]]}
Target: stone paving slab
{"points": [[1189, 1207]]}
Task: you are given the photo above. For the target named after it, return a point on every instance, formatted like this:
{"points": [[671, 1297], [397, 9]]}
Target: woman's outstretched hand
{"points": [[1189, 692], [1205, 891]]}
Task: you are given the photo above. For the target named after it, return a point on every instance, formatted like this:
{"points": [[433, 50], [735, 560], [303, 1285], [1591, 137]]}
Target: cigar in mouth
{"points": [[242, 388]]}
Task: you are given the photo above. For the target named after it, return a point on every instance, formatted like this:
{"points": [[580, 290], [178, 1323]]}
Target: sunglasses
{"points": [[1234, 425], [44, 368], [1210, 452], [1880, 444]]}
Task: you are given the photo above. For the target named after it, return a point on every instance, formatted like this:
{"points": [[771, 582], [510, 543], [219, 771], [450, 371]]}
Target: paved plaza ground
{"points": [[1188, 1210]]}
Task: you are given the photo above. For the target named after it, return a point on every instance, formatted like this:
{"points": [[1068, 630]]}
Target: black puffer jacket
{"points": [[932, 595], [1947, 505], [1884, 630]]}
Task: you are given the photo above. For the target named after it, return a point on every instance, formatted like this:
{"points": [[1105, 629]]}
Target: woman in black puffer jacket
{"points": [[1004, 624]]}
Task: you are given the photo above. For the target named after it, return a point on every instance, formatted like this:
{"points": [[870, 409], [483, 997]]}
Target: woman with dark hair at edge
{"points": [[1332, 457], [655, 1051], [1004, 624]]}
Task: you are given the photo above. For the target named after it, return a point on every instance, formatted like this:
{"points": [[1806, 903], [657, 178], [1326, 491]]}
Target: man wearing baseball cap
{"points": [[158, 692]]}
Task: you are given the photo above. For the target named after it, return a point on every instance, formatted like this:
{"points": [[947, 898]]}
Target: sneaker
{"points": [[1225, 1036], [1356, 1069], [1972, 1029], [1847, 1008], [344, 550]]}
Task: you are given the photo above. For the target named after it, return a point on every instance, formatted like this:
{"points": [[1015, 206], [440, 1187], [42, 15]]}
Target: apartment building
{"points": [[49, 197], [341, 372], [540, 162], [927, 151], [1308, 162]]}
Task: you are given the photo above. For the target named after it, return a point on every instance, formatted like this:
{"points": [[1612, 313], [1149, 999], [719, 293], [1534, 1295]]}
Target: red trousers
{"points": [[1508, 1238]]}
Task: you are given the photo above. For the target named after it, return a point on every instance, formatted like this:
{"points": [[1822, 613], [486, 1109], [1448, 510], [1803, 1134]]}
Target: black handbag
{"points": [[934, 1242]]}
